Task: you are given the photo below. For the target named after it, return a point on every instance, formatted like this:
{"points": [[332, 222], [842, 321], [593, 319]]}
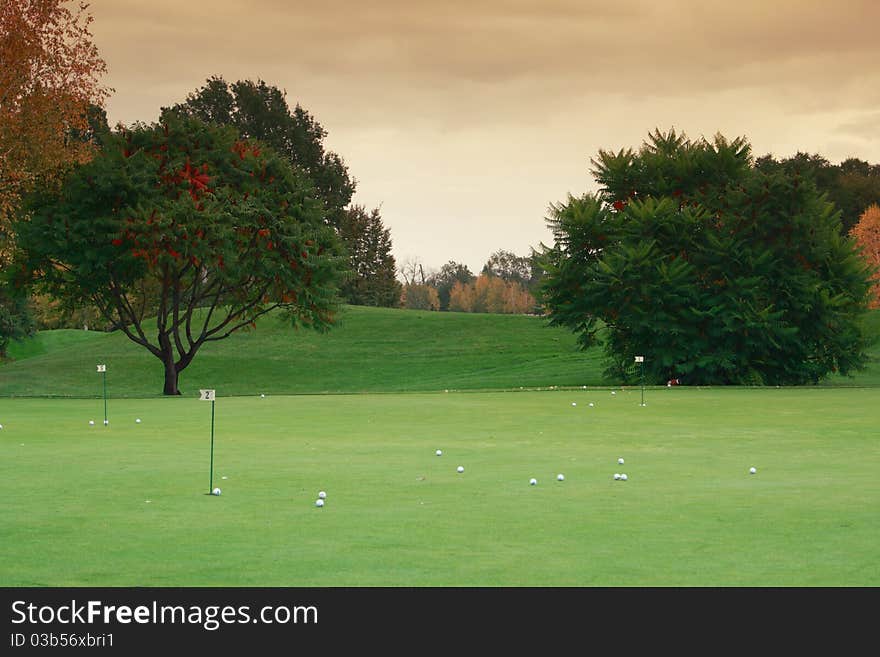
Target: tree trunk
{"points": [[171, 374]]}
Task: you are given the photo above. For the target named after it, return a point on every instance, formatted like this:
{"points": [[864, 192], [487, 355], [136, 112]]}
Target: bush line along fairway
{"points": [[127, 505]]}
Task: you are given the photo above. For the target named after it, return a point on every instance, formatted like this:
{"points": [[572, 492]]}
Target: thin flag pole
{"points": [[105, 397], [211, 485]]}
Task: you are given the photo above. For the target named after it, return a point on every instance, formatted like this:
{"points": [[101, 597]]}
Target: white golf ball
{"points": [[138, 421], [591, 404], [262, 396], [532, 481], [91, 423], [319, 502], [322, 495], [460, 468], [620, 461], [216, 491], [752, 470], [623, 477], [438, 452], [613, 393], [560, 477], [574, 403], [616, 476], [1, 426]]}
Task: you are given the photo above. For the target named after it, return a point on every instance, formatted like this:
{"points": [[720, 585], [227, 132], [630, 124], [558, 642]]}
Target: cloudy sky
{"points": [[464, 119]]}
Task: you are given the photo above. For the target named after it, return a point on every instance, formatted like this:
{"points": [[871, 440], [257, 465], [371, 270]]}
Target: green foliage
{"points": [[16, 322], [716, 272], [509, 267], [852, 186], [178, 216], [260, 111], [368, 244]]}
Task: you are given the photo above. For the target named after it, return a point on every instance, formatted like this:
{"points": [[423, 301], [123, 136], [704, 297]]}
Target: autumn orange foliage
{"points": [[419, 297], [867, 235], [49, 76], [490, 294]]}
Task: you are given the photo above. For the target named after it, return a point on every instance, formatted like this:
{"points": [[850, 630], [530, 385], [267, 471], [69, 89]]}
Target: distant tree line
{"points": [[852, 186], [506, 284]]}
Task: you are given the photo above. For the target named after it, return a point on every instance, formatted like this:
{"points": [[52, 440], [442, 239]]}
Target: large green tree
{"points": [[368, 244], [187, 225], [260, 111], [715, 271]]}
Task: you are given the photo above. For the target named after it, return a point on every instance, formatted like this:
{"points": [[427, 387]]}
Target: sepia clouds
{"points": [[464, 120]]}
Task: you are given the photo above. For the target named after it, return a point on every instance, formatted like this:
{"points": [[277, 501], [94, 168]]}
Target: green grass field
{"points": [[126, 505]]}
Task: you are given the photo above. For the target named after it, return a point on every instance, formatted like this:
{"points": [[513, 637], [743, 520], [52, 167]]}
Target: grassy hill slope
{"points": [[370, 350]]}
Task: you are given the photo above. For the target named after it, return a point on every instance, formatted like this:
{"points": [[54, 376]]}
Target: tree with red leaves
{"points": [[867, 235], [186, 223]]}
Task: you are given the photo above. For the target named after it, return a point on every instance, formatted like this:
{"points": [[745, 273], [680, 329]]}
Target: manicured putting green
{"points": [[128, 504]]}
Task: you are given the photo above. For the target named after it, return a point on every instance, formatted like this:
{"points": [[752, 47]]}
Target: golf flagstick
{"points": [[208, 395]]}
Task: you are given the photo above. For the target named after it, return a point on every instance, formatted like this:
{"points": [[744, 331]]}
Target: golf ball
{"points": [[752, 470], [262, 396], [91, 423], [574, 403], [591, 404], [216, 491], [616, 476], [1, 426], [438, 452], [532, 481], [322, 495], [138, 421], [460, 468], [623, 477], [560, 477], [620, 461], [319, 502], [613, 393]]}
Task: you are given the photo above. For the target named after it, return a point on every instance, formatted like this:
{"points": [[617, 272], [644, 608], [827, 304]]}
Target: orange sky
{"points": [[464, 120]]}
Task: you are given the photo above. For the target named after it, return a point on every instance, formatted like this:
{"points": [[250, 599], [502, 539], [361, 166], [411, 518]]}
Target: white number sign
{"points": [[102, 368], [206, 395]]}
